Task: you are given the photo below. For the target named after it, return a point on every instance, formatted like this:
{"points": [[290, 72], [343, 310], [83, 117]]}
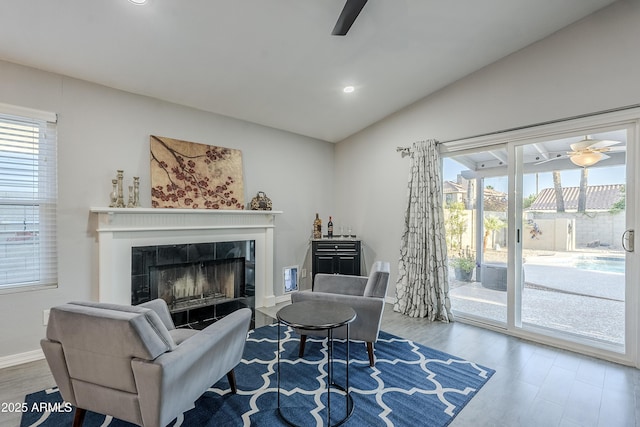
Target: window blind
{"points": [[28, 200]]}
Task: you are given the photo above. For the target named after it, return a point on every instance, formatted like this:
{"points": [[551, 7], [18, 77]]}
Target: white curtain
{"points": [[422, 288]]}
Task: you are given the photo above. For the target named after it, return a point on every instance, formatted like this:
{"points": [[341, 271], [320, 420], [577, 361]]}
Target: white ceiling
{"points": [[274, 62]]}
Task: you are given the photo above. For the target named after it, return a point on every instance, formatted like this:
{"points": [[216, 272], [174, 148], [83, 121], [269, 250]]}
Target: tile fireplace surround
{"points": [[120, 229]]}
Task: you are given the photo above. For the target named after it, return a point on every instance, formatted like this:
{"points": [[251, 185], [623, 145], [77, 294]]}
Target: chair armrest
{"points": [[174, 380], [161, 309], [339, 284]]}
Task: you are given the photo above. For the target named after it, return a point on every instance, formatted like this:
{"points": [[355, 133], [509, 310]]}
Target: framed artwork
{"points": [[290, 276], [195, 176]]}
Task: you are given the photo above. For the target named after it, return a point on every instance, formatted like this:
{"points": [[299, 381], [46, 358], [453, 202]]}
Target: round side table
{"points": [[320, 316]]}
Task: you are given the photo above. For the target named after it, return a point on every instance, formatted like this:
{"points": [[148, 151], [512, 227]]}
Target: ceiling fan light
{"points": [[586, 159]]}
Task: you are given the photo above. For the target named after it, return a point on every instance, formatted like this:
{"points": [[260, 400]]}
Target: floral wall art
{"points": [[197, 176]]}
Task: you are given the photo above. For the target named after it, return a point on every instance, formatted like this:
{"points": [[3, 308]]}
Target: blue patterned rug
{"points": [[411, 385]]}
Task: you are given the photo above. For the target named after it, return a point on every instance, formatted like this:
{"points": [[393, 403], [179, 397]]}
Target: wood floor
{"points": [[534, 385]]}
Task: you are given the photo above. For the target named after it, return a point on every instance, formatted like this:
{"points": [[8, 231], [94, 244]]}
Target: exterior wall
{"points": [[602, 227]]}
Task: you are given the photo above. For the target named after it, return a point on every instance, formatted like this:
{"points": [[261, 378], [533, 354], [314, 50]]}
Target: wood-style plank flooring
{"points": [[534, 385]]}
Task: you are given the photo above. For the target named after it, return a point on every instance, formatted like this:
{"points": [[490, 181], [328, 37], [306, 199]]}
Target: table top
{"points": [[316, 315]]}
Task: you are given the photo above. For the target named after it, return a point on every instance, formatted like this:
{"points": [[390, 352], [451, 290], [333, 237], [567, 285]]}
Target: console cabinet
{"points": [[335, 256]]}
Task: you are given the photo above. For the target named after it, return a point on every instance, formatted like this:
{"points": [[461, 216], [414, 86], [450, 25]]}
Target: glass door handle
{"points": [[628, 240]]}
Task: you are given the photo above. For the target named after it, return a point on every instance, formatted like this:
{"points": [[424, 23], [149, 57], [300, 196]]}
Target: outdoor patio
{"points": [[563, 291]]}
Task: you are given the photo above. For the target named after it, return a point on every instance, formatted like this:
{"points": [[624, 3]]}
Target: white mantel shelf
{"points": [[144, 219], [120, 229]]}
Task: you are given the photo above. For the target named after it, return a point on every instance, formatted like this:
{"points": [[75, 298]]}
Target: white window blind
{"points": [[28, 199]]}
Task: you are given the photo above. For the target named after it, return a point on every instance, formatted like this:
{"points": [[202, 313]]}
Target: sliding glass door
{"points": [[543, 224], [573, 221], [476, 215]]}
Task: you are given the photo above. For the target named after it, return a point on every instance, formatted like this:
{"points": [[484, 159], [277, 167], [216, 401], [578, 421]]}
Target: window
{"points": [[28, 198]]}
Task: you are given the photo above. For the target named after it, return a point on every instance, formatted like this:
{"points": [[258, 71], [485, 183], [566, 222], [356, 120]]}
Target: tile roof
{"points": [[599, 197], [452, 187]]}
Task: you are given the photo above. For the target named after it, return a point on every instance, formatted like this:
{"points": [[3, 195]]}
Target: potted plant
{"points": [[464, 265]]}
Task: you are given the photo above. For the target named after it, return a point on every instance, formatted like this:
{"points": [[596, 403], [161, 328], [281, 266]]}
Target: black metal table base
{"points": [[330, 383]]}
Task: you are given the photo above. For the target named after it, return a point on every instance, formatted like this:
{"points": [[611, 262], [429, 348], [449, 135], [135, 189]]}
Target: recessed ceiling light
{"points": [[348, 89], [139, 2]]}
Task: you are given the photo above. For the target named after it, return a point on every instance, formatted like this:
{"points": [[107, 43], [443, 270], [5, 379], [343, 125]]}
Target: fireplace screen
{"points": [[188, 276], [199, 284]]}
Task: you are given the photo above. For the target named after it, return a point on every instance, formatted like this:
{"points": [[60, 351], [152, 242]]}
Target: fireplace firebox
{"points": [[201, 282]]}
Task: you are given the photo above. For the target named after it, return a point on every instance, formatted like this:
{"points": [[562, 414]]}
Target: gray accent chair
{"points": [[364, 294], [131, 362]]}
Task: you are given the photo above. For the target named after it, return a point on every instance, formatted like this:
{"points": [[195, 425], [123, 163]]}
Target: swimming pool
{"points": [[608, 264]]}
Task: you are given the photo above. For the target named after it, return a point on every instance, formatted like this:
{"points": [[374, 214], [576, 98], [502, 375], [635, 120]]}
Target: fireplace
{"points": [[201, 282], [198, 284], [120, 230]]}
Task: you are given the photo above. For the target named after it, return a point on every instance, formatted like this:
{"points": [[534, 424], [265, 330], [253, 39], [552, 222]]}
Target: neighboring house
{"points": [[494, 200], [453, 192], [599, 198]]}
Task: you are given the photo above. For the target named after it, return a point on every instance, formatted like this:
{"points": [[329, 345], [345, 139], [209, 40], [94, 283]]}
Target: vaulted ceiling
{"points": [[275, 62]]}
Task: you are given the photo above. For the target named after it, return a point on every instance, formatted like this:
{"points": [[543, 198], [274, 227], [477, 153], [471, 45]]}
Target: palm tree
{"points": [[491, 224], [557, 185], [582, 193]]}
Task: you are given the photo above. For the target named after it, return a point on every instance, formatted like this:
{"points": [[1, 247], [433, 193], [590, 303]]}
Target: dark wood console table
{"points": [[336, 256]]}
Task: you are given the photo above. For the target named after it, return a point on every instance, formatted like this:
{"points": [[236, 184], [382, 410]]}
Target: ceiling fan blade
{"points": [[349, 14], [603, 143], [558, 157], [615, 149], [581, 145], [592, 143]]}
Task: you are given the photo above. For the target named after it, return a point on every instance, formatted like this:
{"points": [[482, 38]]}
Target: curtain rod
{"points": [[407, 150]]}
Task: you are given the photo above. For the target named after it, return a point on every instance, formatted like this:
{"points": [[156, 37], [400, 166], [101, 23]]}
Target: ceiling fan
{"points": [[348, 15], [587, 152]]}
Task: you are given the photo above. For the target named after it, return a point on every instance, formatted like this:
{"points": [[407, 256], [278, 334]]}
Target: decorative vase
{"points": [[120, 201], [261, 202], [130, 202], [136, 191], [114, 194]]}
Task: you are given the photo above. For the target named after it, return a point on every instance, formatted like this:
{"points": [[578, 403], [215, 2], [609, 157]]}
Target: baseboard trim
{"points": [[20, 358], [283, 298]]}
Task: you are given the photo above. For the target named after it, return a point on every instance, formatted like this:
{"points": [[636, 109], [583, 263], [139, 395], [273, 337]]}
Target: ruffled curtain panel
{"points": [[422, 288]]}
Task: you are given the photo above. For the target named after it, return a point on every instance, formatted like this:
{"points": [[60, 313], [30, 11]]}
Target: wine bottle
{"points": [[317, 227], [330, 228]]}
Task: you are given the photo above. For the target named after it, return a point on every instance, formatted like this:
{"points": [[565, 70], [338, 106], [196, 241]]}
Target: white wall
{"points": [[101, 130], [587, 67]]}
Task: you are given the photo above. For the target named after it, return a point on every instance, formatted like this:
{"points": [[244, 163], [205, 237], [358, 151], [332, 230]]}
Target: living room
{"points": [[359, 180]]}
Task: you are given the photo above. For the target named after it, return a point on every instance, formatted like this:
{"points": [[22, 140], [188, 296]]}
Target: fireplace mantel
{"points": [[120, 229]]}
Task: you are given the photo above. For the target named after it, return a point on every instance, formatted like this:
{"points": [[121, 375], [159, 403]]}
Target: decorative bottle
{"points": [[330, 228], [317, 227]]}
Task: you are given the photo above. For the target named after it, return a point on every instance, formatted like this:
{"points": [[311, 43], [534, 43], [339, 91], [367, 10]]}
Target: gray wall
{"points": [[101, 130], [587, 67]]}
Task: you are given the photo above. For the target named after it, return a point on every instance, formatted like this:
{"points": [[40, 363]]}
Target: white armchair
{"points": [[131, 363], [364, 294]]}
